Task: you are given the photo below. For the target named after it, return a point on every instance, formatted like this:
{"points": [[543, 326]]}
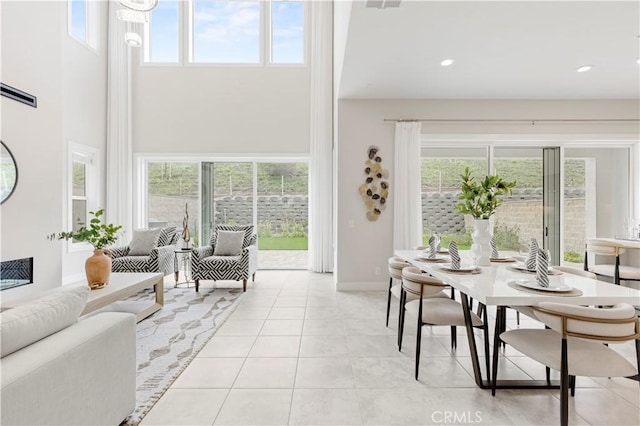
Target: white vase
{"points": [[481, 248]]}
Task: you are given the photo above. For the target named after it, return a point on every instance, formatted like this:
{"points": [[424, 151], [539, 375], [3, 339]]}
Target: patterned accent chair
{"points": [[206, 266], [160, 259]]}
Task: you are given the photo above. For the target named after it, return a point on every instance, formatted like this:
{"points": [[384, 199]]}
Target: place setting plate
{"points": [[465, 269], [502, 259], [424, 257], [533, 285], [520, 267]]}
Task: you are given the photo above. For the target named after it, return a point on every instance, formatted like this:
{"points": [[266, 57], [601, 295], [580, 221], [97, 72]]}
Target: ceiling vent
{"points": [[383, 4]]}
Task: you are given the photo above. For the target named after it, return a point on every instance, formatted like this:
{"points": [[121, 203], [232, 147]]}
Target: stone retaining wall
{"points": [[522, 210]]}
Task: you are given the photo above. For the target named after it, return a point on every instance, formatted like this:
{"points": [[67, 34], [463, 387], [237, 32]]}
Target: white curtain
{"points": [[119, 208], [321, 139], [407, 209]]}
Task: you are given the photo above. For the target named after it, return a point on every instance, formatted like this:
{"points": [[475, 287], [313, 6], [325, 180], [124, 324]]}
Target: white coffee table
{"points": [[122, 285]]}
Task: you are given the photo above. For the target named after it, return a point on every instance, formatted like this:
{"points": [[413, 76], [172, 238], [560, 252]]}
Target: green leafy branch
{"points": [[481, 200], [98, 234]]}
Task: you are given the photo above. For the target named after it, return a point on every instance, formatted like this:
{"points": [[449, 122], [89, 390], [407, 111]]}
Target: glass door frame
{"points": [[140, 180], [562, 141]]}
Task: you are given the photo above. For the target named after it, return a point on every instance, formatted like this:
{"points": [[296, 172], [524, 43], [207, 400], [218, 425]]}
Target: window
{"points": [[287, 32], [226, 32], [162, 33], [83, 21], [83, 181], [271, 194]]}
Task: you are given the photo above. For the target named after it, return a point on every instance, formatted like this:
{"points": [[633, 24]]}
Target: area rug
{"points": [[168, 340]]}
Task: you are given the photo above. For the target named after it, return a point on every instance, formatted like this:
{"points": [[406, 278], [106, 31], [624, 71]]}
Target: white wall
{"points": [[84, 109], [38, 57], [202, 109], [367, 245]]}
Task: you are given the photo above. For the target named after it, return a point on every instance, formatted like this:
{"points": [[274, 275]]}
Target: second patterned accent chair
{"points": [[213, 263], [159, 257]]}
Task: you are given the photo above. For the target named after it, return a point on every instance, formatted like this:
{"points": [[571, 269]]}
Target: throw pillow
{"points": [[228, 243], [167, 236], [28, 323], [144, 240]]}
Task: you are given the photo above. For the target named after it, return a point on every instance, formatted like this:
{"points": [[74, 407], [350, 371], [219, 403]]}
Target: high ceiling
{"points": [[502, 50]]}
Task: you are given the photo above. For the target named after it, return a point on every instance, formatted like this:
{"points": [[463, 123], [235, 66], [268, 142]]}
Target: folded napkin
{"points": [[542, 268], [494, 249], [432, 247], [438, 241], [455, 257], [530, 263]]}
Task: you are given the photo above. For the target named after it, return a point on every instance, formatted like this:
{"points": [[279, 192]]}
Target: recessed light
{"points": [[638, 61], [133, 39], [446, 62], [584, 68]]}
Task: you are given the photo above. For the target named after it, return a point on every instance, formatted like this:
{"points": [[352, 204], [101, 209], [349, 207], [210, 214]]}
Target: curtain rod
{"points": [[514, 120]]}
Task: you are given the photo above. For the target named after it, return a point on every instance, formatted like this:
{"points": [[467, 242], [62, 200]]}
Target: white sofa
{"points": [[57, 370]]}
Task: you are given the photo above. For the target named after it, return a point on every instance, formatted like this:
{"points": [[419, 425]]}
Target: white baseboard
{"points": [[362, 285], [75, 278]]}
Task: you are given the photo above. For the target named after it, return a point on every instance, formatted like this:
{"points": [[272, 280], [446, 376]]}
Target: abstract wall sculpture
{"points": [[375, 189]]}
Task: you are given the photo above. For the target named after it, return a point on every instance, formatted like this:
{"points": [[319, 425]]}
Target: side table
{"points": [[182, 262]]}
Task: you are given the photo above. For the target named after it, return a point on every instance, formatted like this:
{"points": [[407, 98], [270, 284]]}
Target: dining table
{"points": [[502, 285]]}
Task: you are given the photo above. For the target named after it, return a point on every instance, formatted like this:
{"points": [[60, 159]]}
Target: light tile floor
{"points": [[298, 352]]}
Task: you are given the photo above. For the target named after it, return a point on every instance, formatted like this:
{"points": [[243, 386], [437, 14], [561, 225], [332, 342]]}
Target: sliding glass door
{"points": [[283, 214], [273, 196], [596, 197]]}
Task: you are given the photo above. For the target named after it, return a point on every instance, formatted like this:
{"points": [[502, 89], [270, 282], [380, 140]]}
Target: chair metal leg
{"points": [[244, 285], [197, 281], [518, 317], [403, 296], [253, 277], [389, 300], [454, 338], [564, 385], [548, 375], [418, 343], [572, 385], [496, 348]]}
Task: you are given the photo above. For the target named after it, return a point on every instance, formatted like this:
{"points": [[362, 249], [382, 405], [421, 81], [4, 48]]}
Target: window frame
{"points": [[90, 156], [91, 25], [186, 45]]}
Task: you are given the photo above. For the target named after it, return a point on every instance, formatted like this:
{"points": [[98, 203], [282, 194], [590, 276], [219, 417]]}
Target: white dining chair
{"points": [[575, 344], [396, 264], [432, 309], [614, 271]]}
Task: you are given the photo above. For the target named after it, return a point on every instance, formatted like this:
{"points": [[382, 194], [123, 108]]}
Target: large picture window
{"points": [[249, 32]]}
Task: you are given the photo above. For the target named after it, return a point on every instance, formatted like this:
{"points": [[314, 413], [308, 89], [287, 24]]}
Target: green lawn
{"points": [[283, 243]]}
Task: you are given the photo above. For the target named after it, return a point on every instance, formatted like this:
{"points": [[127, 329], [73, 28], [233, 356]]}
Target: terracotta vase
{"points": [[98, 269]]}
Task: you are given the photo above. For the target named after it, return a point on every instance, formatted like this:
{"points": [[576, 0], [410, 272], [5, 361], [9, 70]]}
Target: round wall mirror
{"points": [[8, 173]]}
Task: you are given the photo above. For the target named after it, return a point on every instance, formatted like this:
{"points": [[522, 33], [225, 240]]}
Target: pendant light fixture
{"points": [[139, 5]]}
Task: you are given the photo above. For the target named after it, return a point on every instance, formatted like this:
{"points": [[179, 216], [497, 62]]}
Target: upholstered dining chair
{"points": [[232, 254], [575, 343], [430, 309], [614, 271], [150, 250], [395, 265]]}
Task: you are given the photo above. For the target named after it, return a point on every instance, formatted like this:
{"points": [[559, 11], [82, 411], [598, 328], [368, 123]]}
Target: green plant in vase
{"points": [[99, 235], [480, 200]]}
